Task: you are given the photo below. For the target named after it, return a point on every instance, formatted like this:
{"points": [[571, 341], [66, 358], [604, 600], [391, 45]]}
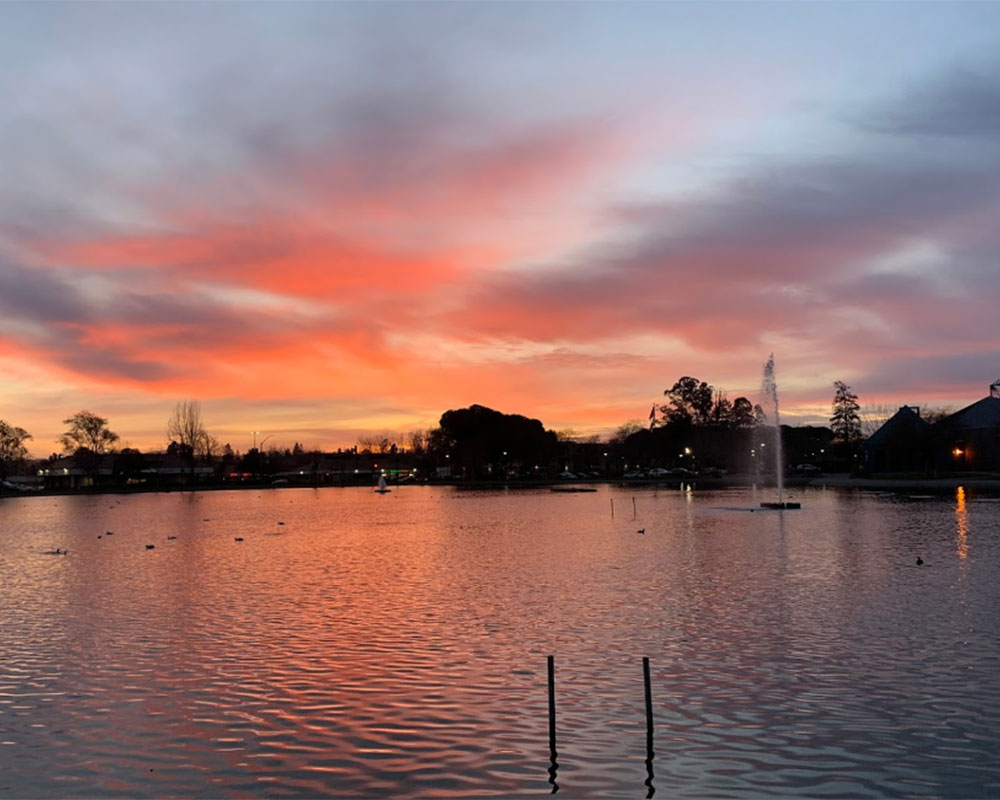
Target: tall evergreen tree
{"points": [[845, 422]]}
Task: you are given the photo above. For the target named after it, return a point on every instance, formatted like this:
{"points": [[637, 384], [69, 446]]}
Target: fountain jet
{"points": [[769, 390]]}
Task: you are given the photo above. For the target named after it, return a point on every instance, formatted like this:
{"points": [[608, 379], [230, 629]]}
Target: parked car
{"points": [[634, 474], [658, 472], [680, 472]]}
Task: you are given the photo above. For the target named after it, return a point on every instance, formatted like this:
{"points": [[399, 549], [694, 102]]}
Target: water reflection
{"points": [[961, 524], [393, 647], [553, 766]]}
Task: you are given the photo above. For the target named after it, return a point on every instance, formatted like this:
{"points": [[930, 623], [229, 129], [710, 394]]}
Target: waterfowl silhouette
{"points": [[171, 537], [150, 546], [920, 561], [238, 539], [641, 530]]}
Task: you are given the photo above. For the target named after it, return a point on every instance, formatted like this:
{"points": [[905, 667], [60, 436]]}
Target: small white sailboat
{"points": [[382, 488]]}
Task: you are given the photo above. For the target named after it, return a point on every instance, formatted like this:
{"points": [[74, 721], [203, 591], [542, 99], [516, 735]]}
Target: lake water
{"points": [[395, 646]]}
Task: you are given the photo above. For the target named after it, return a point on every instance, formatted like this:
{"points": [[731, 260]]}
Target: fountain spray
{"points": [[769, 389]]}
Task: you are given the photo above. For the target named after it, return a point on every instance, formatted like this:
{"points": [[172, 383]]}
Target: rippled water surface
{"points": [[356, 645]]}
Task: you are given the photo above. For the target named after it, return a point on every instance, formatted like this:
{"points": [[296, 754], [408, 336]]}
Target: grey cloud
{"points": [[963, 103], [40, 296], [203, 101], [904, 374], [54, 309], [107, 363], [786, 245], [806, 224]]}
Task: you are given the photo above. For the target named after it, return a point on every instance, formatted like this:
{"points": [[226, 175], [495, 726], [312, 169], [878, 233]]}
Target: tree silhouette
{"points": [[845, 422], [186, 429], [694, 402], [12, 449], [477, 438], [87, 431], [691, 401]]}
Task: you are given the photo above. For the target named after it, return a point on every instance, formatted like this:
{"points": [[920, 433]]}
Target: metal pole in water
{"points": [[633, 508], [649, 727], [553, 764], [612, 508]]}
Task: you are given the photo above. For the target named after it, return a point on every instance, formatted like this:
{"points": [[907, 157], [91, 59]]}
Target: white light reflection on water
{"points": [[395, 646]]}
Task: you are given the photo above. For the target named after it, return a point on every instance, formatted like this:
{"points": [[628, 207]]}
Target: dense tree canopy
{"points": [[691, 401], [477, 437], [87, 431], [12, 449], [694, 402]]}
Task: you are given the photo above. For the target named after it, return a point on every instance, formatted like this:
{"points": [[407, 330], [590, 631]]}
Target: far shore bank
{"points": [[980, 482], [949, 483]]}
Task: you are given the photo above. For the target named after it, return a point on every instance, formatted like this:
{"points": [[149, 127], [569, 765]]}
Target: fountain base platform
{"points": [[781, 505]]}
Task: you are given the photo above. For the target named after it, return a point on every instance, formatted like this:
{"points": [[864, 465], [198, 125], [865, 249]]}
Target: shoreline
{"points": [[940, 485], [923, 483]]}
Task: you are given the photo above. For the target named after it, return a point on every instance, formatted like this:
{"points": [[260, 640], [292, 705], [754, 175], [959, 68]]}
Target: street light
{"points": [[254, 438]]}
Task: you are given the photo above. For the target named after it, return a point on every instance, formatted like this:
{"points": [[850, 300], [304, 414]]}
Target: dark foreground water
{"points": [[395, 646]]}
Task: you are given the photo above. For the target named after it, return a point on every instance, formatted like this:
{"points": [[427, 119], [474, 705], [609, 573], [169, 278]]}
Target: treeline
{"points": [[696, 427]]}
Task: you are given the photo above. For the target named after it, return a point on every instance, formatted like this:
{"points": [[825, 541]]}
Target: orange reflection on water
{"points": [[962, 524]]}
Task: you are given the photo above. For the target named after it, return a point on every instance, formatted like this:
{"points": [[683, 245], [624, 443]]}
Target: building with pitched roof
{"points": [[902, 444], [968, 440]]}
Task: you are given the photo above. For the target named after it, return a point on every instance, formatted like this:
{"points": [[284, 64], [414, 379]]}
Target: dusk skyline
{"points": [[322, 220]]}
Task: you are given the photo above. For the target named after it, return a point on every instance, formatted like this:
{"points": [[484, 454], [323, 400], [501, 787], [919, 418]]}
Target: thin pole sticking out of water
{"points": [[612, 508], [553, 764], [633, 508], [649, 727], [769, 388]]}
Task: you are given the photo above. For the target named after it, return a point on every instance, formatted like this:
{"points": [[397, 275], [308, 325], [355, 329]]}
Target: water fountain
{"points": [[769, 392]]}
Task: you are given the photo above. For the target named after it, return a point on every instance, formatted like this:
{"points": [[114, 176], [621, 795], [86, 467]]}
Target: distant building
{"points": [[88, 471], [968, 440], [71, 472], [902, 444]]}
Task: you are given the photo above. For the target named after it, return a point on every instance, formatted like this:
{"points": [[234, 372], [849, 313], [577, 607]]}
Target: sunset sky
{"points": [[325, 219]]}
